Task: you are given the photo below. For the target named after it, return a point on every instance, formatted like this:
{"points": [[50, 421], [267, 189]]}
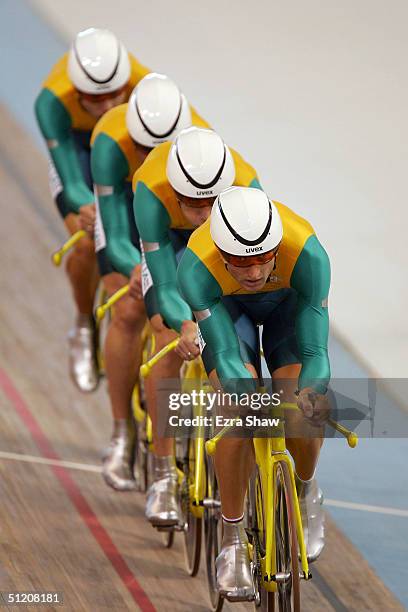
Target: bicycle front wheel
{"points": [[213, 535], [287, 597], [142, 468], [287, 564], [192, 524]]}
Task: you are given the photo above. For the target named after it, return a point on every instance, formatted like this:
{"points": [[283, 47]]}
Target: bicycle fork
{"points": [[269, 455]]}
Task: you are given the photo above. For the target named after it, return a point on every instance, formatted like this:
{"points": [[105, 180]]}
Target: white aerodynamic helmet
{"points": [[98, 63], [200, 165], [157, 111], [245, 226]]}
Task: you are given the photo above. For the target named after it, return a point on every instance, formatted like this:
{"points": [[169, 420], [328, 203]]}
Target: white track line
{"points": [[366, 507], [87, 467]]}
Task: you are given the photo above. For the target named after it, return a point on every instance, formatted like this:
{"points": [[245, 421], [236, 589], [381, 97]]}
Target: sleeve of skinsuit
{"points": [[55, 125], [153, 223], [311, 279], [255, 184], [202, 292], [109, 171]]}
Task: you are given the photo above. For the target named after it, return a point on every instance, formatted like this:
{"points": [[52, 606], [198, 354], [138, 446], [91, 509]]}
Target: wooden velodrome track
{"points": [[61, 528]]}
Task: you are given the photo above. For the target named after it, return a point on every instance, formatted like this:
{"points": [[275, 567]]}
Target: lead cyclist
{"points": [[255, 262]]}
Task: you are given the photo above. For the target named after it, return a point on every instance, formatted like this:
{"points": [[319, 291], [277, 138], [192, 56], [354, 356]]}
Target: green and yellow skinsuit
{"points": [[114, 161], [67, 128], [292, 306], [161, 223]]}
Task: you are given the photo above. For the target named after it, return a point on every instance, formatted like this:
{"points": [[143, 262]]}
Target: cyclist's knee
{"points": [[301, 448], [163, 334], [157, 325], [129, 315], [84, 249]]}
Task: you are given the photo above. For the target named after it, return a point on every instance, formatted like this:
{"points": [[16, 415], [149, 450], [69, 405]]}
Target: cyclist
{"points": [[94, 76], [257, 262], [174, 192], [155, 113]]}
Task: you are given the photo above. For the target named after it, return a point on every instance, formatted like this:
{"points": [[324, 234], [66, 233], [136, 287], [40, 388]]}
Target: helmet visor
{"points": [[194, 202], [245, 261], [110, 95]]}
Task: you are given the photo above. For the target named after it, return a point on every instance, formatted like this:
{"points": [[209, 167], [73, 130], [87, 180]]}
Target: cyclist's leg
{"points": [[122, 349], [234, 458], [122, 353], [168, 367], [81, 268], [234, 462], [83, 276], [162, 508], [281, 354]]}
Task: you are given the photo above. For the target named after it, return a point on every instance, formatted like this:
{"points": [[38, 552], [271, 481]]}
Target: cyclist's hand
{"points": [[187, 347], [87, 218], [135, 283], [314, 406]]}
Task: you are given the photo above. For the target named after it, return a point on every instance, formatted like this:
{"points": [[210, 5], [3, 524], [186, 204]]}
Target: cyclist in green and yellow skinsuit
{"points": [[174, 192], [96, 75], [256, 262], [121, 140]]}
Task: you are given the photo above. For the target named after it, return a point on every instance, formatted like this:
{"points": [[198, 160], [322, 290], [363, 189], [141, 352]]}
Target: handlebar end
{"points": [[144, 370], [56, 259], [100, 313], [352, 440], [210, 447]]}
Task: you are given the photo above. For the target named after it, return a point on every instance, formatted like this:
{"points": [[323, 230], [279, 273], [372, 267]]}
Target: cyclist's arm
{"points": [[153, 223], [255, 184], [109, 171], [56, 127], [203, 294], [311, 279]]}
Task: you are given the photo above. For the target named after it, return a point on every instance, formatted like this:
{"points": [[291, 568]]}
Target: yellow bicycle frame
{"points": [[194, 371], [148, 348], [269, 452]]}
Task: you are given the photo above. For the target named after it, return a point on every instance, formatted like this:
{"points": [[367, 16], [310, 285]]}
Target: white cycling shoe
{"points": [[83, 368], [313, 519], [118, 459], [162, 507], [234, 577]]}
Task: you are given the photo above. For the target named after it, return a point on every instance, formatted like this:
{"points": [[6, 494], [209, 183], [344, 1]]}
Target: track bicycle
{"points": [[143, 461], [199, 497], [274, 529]]}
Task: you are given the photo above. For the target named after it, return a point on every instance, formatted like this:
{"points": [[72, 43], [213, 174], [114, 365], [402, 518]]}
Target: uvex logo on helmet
{"points": [[208, 192], [254, 249]]}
